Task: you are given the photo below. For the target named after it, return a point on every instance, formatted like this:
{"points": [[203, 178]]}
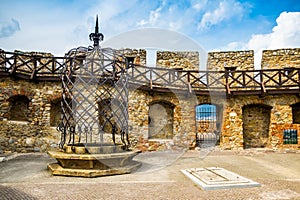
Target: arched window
{"points": [[18, 110]]}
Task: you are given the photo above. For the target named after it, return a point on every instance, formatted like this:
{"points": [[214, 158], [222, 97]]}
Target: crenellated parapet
{"points": [[230, 60], [281, 58], [258, 105], [178, 60]]}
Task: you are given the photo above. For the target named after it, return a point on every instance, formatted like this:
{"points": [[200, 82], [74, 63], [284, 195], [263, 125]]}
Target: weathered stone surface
{"points": [[233, 131], [178, 60], [138, 55], [56, 169], [44, 100], [93, 165], [280, 58], [20, 137], [256, 123], [239, 60], [214, 178]]}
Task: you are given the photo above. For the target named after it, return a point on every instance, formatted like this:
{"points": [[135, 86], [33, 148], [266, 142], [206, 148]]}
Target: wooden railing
{"points": [[32, 67], [269, 81], [238, 82]]}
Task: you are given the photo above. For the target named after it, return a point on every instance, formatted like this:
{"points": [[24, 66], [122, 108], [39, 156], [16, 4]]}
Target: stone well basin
{"points": [[93, 161]]}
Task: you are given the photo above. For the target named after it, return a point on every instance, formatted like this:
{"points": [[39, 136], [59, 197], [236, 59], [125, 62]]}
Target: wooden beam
{"points": [[228, 88], [263, 88], [33, 74]]}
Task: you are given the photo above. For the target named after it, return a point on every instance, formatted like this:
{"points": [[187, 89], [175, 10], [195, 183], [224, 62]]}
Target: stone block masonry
{"points": [[247, 121], [32, 133], [280, 59], [23, 137], [252, 121], [230, 61], [138, 56], [285, 59], [178, 60], [233, 60]]}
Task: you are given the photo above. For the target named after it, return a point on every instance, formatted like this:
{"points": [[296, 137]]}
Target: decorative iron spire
{"points": [[96, 37]]}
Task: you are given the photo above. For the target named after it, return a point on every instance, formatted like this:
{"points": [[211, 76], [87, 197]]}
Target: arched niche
{"points": [[161, 118], [256, 125], [296, 113], [18, 109], [55, 112]]}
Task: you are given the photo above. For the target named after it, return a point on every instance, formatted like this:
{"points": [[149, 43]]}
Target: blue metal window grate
{"points": [[290, 136], [206, 112]]}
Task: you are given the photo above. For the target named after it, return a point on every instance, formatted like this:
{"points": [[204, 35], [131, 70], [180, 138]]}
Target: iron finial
{"points": [[97, 27], [96, 37]]}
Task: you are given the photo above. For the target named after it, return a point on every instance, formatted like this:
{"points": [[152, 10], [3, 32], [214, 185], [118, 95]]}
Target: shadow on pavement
{"points": [[7, 192]]}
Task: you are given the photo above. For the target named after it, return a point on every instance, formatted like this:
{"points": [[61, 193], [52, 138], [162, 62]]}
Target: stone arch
{"points": [[18, 108], [256, 125], [160, 120], [296, 113], [55, 112]]}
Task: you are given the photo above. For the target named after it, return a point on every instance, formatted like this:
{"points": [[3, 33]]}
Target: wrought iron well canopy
{"points": [[95, 96]]}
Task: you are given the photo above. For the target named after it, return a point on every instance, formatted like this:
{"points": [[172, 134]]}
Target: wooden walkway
{"points": [[258, 82]]}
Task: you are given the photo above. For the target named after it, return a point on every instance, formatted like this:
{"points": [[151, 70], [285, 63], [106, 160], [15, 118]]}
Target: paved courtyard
{"points": [[25, 176]]}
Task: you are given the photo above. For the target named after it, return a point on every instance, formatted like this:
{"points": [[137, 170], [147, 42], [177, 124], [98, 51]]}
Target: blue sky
{"points": [[217, 25]]}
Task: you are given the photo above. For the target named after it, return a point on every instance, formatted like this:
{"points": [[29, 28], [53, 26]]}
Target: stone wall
{"points": [[296, 113], [40, 96], [280, 115], [138, 55], [36, 128], [161, 120], [256, 125], [24, 137], [238, 111], [165, 59], [238, 60], [230, 61], [287, 59], [178, 60], [183, 120], [240, 115], [280, 58]]}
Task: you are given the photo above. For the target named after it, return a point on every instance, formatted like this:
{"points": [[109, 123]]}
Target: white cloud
{"points": [[286, 34], [153, 18], [199, 5], [226, 10], [56, 29]]}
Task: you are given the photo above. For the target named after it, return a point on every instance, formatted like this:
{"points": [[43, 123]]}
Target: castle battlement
{"points": [[167, 105]]}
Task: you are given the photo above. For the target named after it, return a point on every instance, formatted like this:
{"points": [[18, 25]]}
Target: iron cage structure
{"points": [[94, 96]]}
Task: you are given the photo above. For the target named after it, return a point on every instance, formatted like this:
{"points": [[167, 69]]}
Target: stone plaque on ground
{"points": [[214, 178]]}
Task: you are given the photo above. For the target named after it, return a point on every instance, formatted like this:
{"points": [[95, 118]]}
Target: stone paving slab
{"points": [[215, 178], [26, 177]]}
